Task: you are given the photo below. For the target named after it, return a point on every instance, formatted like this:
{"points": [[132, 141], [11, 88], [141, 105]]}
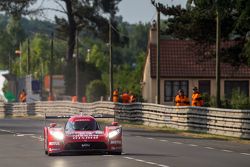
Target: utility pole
{"points": [[158, 65], [20, 59], [51, 65], [218, 34], [28, 57], [10, 62], [110, 59], [158, 68], [77, 68]]}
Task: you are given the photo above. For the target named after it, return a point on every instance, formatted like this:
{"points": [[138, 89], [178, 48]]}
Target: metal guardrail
{"points": [[235, 123]]}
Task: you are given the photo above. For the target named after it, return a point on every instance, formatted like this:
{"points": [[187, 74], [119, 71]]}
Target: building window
{"points": [[242, 86], [171, 88], [204, 87]]}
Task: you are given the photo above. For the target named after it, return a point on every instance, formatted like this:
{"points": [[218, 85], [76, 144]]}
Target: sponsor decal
{"points": [[115, 142], [82, 119], [112, 127], [82, 133], [54, 149], [85, 145], [85, 137], [99, 132], [54, 143], [116, 148]]}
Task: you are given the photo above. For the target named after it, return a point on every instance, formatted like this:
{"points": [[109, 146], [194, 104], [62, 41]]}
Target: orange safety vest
{"points": [[22, 97], [115, 96], [197, 99], [50, 98], [181, 101], [74, 98], [125, 98]]}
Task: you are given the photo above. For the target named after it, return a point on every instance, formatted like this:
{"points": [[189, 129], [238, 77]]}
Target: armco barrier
{"points": [[227, 122]]}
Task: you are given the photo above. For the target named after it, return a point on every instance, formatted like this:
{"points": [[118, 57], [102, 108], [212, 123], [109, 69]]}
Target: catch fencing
{"points": [[228, 122]]}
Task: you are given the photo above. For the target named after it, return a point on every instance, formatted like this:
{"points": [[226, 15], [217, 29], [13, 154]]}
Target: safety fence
{"points": [[228, 122]]}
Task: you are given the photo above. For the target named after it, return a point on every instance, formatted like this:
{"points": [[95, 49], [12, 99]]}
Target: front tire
{"points": [[52, 154]]}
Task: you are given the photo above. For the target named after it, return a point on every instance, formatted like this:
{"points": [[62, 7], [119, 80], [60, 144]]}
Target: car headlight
{"points": [[114, 133], [57, 135]]}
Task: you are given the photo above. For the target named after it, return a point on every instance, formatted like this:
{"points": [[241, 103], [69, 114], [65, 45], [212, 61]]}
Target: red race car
{"points": [[82, 133]]}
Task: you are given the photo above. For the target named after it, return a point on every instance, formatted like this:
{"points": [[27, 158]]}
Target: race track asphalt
{"points": [[22, 146]]}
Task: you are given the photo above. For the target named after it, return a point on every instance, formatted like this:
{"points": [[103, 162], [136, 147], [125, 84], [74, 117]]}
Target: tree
{"points": [[95, 90], [40, 56], [17, 8], [198, 22], [16, 32], [5, 50], [99, 57], [84, 15]]}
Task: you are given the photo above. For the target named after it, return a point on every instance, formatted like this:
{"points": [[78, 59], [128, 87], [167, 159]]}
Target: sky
{"points": [[132, 11]]}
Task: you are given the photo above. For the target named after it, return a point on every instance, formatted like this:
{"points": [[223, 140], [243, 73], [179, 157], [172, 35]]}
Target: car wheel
{"points": [[52, 154], [115, 153]]}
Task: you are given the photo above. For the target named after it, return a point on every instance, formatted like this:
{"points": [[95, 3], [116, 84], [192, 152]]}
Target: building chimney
{"points": [[153, 33]]}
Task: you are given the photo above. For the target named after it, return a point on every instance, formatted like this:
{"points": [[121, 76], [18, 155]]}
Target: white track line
{"points": [[8, 131], [164, 140], [35, 137], [146, 162], [23, 134], [245, 154], [108, 155], [228, 151], [210, 148]]}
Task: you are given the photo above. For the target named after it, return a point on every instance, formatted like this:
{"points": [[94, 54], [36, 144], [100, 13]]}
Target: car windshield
{"points": [[82, 125]]}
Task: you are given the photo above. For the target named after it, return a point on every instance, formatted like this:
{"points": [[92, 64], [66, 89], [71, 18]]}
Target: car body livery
{"points": [[82, 134]]}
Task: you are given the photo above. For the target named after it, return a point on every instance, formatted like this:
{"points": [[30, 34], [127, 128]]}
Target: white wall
{"points": [[2, 79]]}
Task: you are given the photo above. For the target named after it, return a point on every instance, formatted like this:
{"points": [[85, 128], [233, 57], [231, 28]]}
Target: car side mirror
{"points": [[114, 123], [52, 125]]}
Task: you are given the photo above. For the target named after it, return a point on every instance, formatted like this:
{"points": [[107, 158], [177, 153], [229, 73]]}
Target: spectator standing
{"points": [[132, 97], [125, 97], [196, 98], [181, 99], [22, 96], [115, 95]]}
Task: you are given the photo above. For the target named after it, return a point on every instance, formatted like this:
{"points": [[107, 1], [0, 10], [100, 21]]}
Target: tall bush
{"points": [[239, 100], [95, 90]]}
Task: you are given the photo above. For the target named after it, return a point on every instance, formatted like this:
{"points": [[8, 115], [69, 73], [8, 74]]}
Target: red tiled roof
{"points": [[179, 59]]}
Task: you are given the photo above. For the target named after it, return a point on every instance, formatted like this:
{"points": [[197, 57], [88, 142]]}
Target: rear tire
{"points": [[115, 153]]}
